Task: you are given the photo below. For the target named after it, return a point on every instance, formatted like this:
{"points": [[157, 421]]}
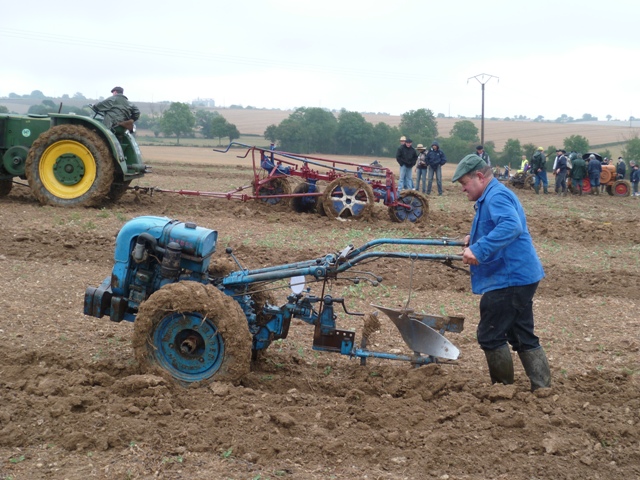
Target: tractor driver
{"points": [[117, 109]]}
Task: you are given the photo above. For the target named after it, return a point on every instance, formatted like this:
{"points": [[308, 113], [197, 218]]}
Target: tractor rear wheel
{"points": [[5, 187], [69, 166], [274, 186], [194, 333], [586, 185], [117, 190], [348, 197], [621, 188], [416, 213], [304, 204]]}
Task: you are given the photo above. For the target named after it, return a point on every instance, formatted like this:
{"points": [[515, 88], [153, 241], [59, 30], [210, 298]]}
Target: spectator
{"points": [[635, 177], [561, 172], [421, 168], [621, 169], [435, 159], [406, 157], [483, 155], [594, 168], [524, 165], [578, 173], [539, 169]]}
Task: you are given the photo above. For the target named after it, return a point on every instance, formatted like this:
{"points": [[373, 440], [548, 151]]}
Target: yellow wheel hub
{"points": [[67, 169]]}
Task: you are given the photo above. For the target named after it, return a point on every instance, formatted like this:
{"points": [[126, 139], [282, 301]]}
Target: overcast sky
{"points": [[540, 58]]}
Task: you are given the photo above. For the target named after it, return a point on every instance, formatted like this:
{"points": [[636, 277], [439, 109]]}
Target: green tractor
{"points": [[69, 160]]}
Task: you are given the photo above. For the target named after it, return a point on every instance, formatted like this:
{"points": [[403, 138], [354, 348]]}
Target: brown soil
{"points": [[75, 403]]}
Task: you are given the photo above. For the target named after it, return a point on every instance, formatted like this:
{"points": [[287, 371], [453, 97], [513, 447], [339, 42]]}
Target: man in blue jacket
{"points": [[505, 270]]}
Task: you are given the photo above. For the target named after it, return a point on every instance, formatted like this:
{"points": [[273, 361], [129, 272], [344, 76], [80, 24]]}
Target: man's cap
{"points": [[540, 148], [420, 147], [479, 147], [468, 164], [403, 138], [561, 150], [408, 140], [119, 90]]}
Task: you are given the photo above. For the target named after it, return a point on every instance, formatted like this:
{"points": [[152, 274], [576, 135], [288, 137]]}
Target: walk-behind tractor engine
{"points": [[200, 327]]}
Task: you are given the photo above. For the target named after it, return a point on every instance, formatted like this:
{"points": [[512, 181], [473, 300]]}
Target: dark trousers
{"points": [[506, 315]]}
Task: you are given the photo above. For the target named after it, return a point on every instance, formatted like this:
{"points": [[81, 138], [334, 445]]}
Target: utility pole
{"points": [[483, 79]]}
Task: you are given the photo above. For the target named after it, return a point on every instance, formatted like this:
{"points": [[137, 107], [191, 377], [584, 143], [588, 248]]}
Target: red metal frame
{"points": [[381, 179]]}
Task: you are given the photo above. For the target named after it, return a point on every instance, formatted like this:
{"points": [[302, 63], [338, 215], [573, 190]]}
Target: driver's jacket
{"points": [[116, 109]]}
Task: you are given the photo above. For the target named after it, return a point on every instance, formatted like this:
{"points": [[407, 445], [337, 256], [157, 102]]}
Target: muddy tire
{"points": [[117, 190], [348, 197], [192, 333], [5, 187], [70, 166], [416, 213], [275, 186], [621, 188], [528, 182], [304, 204]]}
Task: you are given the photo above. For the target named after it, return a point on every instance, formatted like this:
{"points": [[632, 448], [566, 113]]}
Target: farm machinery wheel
{"points": [[586, 185], [275, 186], [117, 190], [348, 197], [5, 187], [528, 181], [621, 188], [68, 166], [416, 213], [194, 333], [304, 204]]}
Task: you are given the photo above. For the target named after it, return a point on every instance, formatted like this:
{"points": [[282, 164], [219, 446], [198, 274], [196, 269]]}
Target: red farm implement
{"points": [[347, 190]]}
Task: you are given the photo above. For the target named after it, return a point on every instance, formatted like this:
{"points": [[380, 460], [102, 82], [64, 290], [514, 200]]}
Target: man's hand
{"points": [[468, 258]]}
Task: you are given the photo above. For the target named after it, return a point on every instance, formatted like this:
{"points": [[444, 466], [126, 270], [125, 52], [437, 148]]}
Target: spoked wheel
{"points": [[416, 212], [194, 333], [69, 166], [348, 197], [304, 204], [5, 187], [274, 186], [621, 188]]}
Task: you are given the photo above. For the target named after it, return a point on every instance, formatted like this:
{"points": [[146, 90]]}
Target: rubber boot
{"points": [[537, 367], [500, 365], [546, 190], [537, 189]]}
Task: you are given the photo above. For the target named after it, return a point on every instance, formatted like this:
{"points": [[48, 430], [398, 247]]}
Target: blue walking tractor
{"points": [[201, 326]]}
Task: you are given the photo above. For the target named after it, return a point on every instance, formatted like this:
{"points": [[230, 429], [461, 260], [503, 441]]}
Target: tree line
{"points": [[315, 130]]}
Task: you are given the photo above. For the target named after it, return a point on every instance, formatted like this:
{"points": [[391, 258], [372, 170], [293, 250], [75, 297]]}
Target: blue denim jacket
{"points": [[501, 242]]}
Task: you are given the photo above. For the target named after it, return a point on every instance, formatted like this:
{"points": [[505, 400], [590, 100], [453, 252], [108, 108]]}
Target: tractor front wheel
{"points": [[416, 212], [69, 166], [348, 197], [621, 188], [194, 333], [5, 187]]}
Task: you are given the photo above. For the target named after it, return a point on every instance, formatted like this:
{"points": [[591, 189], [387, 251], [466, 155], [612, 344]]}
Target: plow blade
{"points": [[420, 337]]}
